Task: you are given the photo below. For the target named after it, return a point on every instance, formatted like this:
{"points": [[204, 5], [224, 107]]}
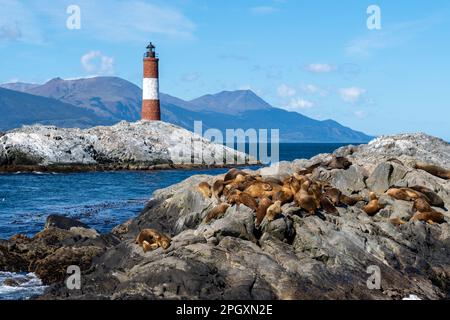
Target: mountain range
{"points": [[107, 100]]}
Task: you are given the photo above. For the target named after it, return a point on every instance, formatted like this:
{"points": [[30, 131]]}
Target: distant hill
{"points": [[110, 99], [231, 102], [19, 86], [18, 108]]}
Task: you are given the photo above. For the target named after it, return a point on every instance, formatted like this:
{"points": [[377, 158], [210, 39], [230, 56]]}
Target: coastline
{"points": [[295, 256]]}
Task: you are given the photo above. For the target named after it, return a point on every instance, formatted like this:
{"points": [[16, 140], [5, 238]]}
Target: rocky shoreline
{"points": [[295, 255], [143, 145]]}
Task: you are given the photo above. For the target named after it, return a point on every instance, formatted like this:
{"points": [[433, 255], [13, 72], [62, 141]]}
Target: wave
{"points": [[19, 286]]}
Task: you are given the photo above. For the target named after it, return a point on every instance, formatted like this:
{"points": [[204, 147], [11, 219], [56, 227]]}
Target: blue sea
{"points": [[100, 199]]}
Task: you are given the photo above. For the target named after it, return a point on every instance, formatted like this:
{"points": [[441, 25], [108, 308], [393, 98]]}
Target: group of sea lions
{"points": [[151, 239], [424, 199], [266, 196]]}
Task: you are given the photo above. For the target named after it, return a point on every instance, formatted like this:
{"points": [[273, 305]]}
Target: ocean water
{"points": [[100, 199]]}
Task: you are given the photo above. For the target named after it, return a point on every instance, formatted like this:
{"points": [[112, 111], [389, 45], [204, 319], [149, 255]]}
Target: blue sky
{"points": [[315, 57]]}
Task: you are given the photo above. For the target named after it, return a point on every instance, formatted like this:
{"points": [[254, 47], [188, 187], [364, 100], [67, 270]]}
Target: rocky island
{"points": [[142, 145], [383, 205]]}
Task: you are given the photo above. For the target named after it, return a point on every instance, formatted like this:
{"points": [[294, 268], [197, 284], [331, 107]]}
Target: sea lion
{"points": [[285, 195], [217, 189], [259, 189], [429, 217], [305, 200], [434, 199], [350, 201], [272, 180], [261, 212], [244, 198], [421, 205], [397, 222], [216, 213], [373, 206], [326, 205], [309, 169], [338, 163], [205, 189], [231, 175], [153, 239], [406, 194], [434, 170], [273, 211], [334, 195]]}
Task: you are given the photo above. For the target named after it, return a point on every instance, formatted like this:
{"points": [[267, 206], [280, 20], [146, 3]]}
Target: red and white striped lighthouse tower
{"points": [[150, 88]]}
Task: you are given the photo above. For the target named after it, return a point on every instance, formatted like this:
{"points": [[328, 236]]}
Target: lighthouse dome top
{"points": [[150, 51]]}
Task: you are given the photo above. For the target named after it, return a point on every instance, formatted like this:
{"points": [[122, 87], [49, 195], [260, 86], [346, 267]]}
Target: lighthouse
{"points": [[150, 87]]}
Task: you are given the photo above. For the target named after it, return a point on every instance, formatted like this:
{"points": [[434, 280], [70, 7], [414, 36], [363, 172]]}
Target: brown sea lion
{"points": [[231, 175], [434, 199], [350, 201], [309, 169], [261, 212], [406, 194], [305, 200], [421, 205], [153, 239], [338, 163], [259, 189], [216, 213], [205, 189], [272, 180], [244, 198], [397, 222], [217, 188], [334, 195], [273, 211], [434, 170], [429, 217], [285, 195], [326, 205], [373, 206]]}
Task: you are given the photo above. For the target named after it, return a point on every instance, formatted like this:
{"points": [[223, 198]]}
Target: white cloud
{"points": [[298, 104], [313, 89], [319, 68], [263, 10], [285, 91], [96, 62], [352, 94]]}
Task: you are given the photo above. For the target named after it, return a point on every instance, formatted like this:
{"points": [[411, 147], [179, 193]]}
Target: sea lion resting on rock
{"points": [[432, 196], [373, 206], [205, 189], [429, 217], [216, 213], [239, 197], [261, 212], [150, 239], [433, 169], [338, 163], [306, 200]]}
